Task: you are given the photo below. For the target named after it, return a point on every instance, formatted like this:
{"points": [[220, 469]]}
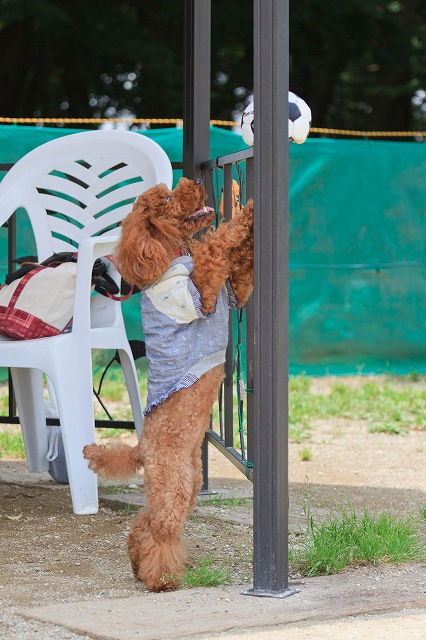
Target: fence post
{"points": [[196, 108], [196, 103], [271, 299]]}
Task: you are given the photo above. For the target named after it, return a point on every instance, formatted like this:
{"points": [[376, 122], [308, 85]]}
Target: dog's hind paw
{"points": [[93, 453], [158, 563]]}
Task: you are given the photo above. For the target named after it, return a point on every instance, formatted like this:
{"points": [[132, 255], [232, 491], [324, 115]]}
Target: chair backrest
{"points": [[82, 185]]}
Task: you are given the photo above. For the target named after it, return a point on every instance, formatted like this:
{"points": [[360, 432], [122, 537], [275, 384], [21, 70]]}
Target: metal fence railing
{"points": [[229, 181]]}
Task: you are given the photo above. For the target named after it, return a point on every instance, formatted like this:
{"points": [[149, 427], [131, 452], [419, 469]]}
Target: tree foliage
{"points": [[359, 64], [80, 59]]}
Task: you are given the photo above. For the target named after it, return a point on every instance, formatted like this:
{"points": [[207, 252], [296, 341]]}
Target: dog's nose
{"points": [[198, 181]]}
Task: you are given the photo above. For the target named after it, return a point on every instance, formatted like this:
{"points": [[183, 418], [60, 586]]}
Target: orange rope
{"points": [[370, 134], [223, 123], [89, 120]]}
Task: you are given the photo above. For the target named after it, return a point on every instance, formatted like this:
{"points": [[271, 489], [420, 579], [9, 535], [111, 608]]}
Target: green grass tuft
{"points": [[206, 574], [129, 509], [305, 455], [344, 539]]}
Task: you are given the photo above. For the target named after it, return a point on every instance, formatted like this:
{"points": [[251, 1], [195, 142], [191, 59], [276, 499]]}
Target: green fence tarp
{"points": [[357, 256], [357, 237], [16, 141]]}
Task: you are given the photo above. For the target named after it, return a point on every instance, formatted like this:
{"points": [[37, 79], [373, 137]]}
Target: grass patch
{"points": [[344, 539], [206, 574], [115, 489], [4, 400], [305, 455], [392, 404], [223, 502], [106, 432], [389, 407], [12, 445]]}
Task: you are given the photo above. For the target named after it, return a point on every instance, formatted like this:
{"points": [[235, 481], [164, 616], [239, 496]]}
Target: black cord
{"points": [[138, 351], [103, 375], [102, 405]]}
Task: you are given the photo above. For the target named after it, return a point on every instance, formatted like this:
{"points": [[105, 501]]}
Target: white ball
{"points": [[247, 124], [299, 120]]}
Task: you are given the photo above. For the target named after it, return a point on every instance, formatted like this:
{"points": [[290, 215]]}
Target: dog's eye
{"points": [[169, 198]]}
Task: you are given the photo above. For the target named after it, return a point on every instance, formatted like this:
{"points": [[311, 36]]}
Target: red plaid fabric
{"points": [[21, 324]]}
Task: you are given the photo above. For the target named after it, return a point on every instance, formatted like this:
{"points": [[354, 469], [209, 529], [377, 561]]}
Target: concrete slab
{"points": [[406, 625], [237, 514], [205, 613]]}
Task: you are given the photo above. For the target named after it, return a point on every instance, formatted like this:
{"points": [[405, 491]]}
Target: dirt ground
{"points": [[49, 555]]}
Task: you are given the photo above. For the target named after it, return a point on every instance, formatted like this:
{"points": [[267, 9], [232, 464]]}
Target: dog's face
{"points": [[161, 222], [183, 208]]}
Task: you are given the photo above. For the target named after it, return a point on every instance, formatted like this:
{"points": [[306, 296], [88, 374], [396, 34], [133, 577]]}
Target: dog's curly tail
{"points": [[116, 461]]}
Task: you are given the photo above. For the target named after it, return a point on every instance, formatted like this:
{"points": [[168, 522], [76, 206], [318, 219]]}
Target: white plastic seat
{"points": [[76, 189]]}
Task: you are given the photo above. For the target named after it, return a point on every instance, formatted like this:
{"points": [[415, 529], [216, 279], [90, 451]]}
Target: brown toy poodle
{"points": [[187, 289]]}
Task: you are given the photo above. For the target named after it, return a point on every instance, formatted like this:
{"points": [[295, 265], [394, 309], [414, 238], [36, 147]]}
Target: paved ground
{"points": [[334, 607], [380, 603]]}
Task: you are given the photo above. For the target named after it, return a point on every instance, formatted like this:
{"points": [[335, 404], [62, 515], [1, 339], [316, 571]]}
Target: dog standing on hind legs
{"points": [[187, 287]]}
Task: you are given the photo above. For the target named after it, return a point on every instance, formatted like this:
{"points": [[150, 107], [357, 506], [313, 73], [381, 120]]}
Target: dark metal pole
{"points": [[271, 299], [228, 389], [196, 108], [249, 335]]}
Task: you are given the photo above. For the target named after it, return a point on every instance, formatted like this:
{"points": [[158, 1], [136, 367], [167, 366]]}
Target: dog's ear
{"points": [[145, 250]]}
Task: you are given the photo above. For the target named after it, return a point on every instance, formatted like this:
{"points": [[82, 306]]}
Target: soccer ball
{"points": [[299, 120], [247, 124]]}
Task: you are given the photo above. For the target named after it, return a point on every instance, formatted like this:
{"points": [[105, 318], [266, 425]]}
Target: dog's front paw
{"points": [[208, 308], [248, 212]]}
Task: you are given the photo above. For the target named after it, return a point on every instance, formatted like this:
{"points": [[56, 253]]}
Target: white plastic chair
{"points": [[76, 189]]}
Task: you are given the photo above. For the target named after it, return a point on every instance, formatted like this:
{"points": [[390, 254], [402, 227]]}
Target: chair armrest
{"points": [[89, 250]]}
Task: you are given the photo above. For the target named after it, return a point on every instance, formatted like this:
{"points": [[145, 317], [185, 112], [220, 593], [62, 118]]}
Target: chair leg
{"points": [[28, 389], [51, 406], [75, 403], [130, 375]]}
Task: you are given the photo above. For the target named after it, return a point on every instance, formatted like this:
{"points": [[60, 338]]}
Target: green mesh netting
{"points": [[357, 267], [357, 236]]}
